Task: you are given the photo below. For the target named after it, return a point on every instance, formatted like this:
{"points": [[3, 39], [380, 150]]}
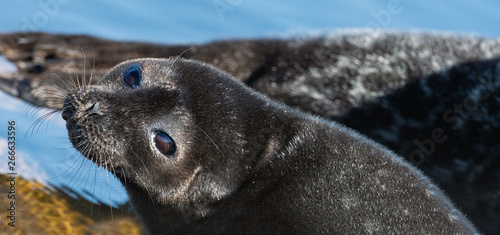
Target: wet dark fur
{"points": [[244, 163]]}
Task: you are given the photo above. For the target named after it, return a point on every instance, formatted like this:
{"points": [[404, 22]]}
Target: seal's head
{"points": [[170, 129]]}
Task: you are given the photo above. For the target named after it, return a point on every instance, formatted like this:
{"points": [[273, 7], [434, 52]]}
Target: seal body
{"points": [[200, 153]]}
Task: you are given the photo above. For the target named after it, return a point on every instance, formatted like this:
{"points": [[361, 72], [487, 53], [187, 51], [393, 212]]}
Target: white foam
{"points": [[11, 104], [25, 165], [7, 66]]}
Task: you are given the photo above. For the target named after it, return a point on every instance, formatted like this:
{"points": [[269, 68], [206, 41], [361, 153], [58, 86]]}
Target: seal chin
{"points": [[74, 133]]}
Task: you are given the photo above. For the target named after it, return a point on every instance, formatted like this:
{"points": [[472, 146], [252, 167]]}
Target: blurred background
{"points": [[207, 20], [44, 151]]}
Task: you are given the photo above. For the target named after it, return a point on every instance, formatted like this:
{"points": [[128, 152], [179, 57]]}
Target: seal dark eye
{"points": [[132, 78], [164, 144]]}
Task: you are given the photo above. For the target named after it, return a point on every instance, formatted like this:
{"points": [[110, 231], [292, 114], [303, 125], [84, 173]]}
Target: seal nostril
{"points": [[94, 110], [36, 69], [67, 114]]}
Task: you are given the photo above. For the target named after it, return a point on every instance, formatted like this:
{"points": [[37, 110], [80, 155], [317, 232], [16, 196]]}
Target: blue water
{"points": [[206, 20], [46, 154]]}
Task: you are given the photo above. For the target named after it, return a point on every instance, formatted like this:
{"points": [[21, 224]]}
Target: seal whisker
{"points": [[93, 67], [52, 95], [109, 189], [74, 162], [207, 136], [38, 122], [94, 187], [67, 171], [50, 116], [182, 53], [32, 111], [84, 83], [66, 88], [52, 92], [73, 181], [84, 66], [79, 173], [73, 80]]}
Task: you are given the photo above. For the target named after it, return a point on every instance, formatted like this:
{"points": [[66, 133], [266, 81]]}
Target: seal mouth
{"points": [[81, 143], [76, 133]]}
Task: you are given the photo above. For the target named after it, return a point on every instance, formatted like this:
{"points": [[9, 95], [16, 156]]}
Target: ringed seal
{"points": [[200, 153]]}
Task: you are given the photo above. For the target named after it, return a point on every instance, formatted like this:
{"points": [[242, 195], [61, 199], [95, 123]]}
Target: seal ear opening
{"points": [[164, 144]]}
